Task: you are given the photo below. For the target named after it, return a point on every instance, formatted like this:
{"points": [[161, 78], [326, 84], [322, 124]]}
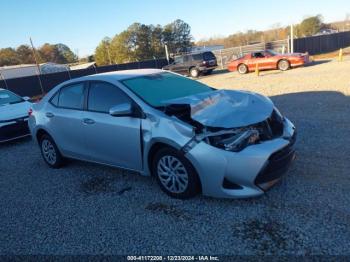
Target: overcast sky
{"points": [[81, 24]]}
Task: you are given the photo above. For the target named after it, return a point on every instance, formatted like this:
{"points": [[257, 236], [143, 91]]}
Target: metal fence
{"points": [[322, 43], [224, 56], [30, 85]]}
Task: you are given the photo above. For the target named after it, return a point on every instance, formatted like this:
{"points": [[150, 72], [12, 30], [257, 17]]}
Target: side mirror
{"points": [[124, 109], [26, 98]]}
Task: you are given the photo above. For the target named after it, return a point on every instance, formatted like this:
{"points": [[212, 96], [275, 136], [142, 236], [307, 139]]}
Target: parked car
{"points": [[188, 135], [193, 65], [13, 116], [267, 60]]}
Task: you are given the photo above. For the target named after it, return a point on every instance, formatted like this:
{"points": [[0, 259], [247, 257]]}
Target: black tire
{"points": [[194, 72], [193, 183], [283, 65], [242, 69], [48, 148]]}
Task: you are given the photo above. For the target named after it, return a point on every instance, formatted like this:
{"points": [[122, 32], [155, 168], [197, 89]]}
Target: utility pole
{"points": [[166, 52], [37, 65], [291, 38], [3, 78]]}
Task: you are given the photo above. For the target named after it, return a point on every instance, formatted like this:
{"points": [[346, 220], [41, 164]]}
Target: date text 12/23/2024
{"points": [[173, 258]]}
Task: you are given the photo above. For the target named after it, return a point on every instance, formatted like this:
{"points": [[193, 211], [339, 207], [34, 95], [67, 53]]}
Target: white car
{"points": [[13, 116]]}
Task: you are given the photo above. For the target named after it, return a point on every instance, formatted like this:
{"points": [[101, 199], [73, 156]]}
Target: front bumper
{"points": [[250, 172], [14, 129]]}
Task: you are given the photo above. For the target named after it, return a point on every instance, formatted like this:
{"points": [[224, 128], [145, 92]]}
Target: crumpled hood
{"points": [[9, 112], [227, 108]]}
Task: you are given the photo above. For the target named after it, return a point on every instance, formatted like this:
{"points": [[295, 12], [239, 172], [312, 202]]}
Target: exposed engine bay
{"points": [[226, 119]]}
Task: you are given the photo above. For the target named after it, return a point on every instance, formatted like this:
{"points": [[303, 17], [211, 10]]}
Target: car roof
{"points": [[120, 75]]}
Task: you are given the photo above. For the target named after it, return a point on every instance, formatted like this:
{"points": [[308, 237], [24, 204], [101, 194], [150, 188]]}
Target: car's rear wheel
{"points": [[283, 65], [194, 72], [175, 174], [242, 69], [50, 152]]}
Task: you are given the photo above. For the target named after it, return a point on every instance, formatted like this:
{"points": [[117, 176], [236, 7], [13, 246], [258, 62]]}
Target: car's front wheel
{"points": [[175, 174], [50, 152]]}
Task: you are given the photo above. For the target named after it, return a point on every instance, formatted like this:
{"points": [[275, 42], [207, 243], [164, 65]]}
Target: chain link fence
{"points": [[224, 56]]}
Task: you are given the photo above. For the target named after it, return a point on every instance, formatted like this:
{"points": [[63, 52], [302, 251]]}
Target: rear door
{"points": [[111, 140], [64, 116]]}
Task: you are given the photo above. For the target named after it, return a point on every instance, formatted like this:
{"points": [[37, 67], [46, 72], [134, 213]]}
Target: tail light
{"points": [[30, 111]]}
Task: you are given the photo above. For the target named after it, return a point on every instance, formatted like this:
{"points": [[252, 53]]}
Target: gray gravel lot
{"points": [[91, 209]]}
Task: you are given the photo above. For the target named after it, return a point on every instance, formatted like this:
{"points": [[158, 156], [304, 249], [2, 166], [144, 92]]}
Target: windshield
{"points": [[272, 52], [7, 97], [156, 88]]}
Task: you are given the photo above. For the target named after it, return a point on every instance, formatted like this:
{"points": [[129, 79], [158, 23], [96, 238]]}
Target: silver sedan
{"points": [[189, 136]]}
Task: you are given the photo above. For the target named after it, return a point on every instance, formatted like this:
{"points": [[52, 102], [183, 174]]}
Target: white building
{"points": [[16, 71], [195, 49]]}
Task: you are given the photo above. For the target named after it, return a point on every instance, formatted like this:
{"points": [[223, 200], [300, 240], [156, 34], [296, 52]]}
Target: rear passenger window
{"points": [[54, 99], [103, 96], [72, 96], [197, 57]]}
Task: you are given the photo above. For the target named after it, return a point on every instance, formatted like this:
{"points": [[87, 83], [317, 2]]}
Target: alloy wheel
{"points": [[49, 151], [172, 174]]}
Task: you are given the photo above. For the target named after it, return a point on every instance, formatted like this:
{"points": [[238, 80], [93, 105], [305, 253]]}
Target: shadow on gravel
{"points": [[168, 210], [103, 184], [15, 142], [215, 72], [269, 237], [318, 62]]}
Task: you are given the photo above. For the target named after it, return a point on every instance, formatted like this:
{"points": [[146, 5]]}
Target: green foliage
{"points": [[309, 26], [141, 42], [23, 54], [65, 51], [101, 52], [8, 56]]}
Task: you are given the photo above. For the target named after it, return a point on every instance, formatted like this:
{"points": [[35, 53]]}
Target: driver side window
{"points": [[103, 96], [258, 55]]}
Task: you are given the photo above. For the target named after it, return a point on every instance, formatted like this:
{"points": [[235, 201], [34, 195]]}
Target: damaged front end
{"points": [[229, 120], [237, 139]]}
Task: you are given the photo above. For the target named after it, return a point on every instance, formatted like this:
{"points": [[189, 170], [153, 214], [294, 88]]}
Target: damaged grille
{"points": [[271, 127]]}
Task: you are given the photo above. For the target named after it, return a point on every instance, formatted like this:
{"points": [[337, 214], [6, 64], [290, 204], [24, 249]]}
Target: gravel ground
{"points": [[91, 209]]}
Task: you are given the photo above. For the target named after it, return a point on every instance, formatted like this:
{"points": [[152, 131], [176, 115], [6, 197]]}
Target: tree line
{"points": [[141, 42], [56, 53], [309, 26]]}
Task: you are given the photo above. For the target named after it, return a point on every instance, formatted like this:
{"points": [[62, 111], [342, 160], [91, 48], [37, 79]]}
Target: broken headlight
{"points": [[237, 141], [233, 140]]}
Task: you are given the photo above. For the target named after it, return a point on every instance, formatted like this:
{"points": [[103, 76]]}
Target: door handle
{"points": [[49, 115], [88, 121]]}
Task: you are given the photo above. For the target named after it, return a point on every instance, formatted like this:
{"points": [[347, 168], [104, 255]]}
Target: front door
{"points": [[111, 140], [258, 58]]}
